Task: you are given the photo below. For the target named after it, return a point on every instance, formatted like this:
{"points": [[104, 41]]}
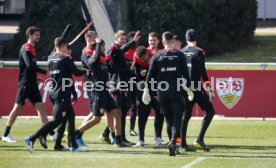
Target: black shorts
{"points": [[172, 104], [202, 99], [28, 92], [103, 102]]}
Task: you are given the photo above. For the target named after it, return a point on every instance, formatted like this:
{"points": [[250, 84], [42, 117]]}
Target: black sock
{"points": [[142, 136], [58, 141], [173, 141], [118, 138], [113, 135], [205, 124], [78, 134], [52, 133], [7, 131], [106, 132]]}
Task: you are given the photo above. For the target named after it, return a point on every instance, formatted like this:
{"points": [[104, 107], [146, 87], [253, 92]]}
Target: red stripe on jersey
{"points": [[103, 60], [152, 52], [108, 58], [31, 49], [142, 64], [129, 54], [89, 51]]}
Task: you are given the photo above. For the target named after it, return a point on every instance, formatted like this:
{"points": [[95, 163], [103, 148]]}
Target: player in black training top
{"points": [[169, 66], [141, 64], [196, 58], [120, 72], [61, 67], [87, 52], [28, 83], [103, 103]]}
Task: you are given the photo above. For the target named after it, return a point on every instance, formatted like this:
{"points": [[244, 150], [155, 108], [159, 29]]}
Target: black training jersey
{"points": [[196, 58], [117, 63], [169, 65], [98, 66], [27, 65], [87, 52], [62, 67]]}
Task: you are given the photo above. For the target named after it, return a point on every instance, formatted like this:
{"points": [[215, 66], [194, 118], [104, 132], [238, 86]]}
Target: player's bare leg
{"points": [[87, 118], [94, 121], [13, 114], [12, 117], [41, 112], [84, 127]]}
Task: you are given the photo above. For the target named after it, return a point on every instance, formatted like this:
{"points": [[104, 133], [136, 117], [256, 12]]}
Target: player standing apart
{"points": [[27, 85], [196, 58]]}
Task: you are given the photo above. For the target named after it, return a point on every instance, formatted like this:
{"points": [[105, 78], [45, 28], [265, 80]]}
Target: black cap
{"points": [[191, 35]]}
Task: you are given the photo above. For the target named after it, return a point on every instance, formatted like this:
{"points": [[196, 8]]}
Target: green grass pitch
{"points": [[235, 143]]}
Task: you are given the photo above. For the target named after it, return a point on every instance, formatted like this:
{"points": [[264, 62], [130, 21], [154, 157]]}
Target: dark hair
{"points": [[31, 30], [59, 42], [90, 33], [141, 51], [191, 35], [120, 33], [167, 36], [93, 44], [69, 47], [177, 38], [153, 34]]}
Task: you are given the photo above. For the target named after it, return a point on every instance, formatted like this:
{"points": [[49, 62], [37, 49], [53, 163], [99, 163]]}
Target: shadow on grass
{"points": [[223, 137], [6, 146], [243, 147]]}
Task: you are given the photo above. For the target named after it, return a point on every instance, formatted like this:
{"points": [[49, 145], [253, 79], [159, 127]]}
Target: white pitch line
{"points": [[114, 157], [189, 165]]}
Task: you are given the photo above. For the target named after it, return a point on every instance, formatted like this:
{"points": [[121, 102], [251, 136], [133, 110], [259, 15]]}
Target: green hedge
{"points": [[51, 16], [223, 25]]}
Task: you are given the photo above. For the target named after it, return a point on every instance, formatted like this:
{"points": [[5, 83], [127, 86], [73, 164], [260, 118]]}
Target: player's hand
{"points": [[190, 94], [132, 68], [88, 72], [137, 36], [211, 94], [75, 98], [146, 96], [98, 40], [144, 73]]}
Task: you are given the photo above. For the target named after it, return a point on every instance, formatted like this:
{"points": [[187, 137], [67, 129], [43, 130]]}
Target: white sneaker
{"points": [[29, 144], [140, 144], [8, 139], [163, 142], [54, 137], [158, 142], [79, 149]]}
